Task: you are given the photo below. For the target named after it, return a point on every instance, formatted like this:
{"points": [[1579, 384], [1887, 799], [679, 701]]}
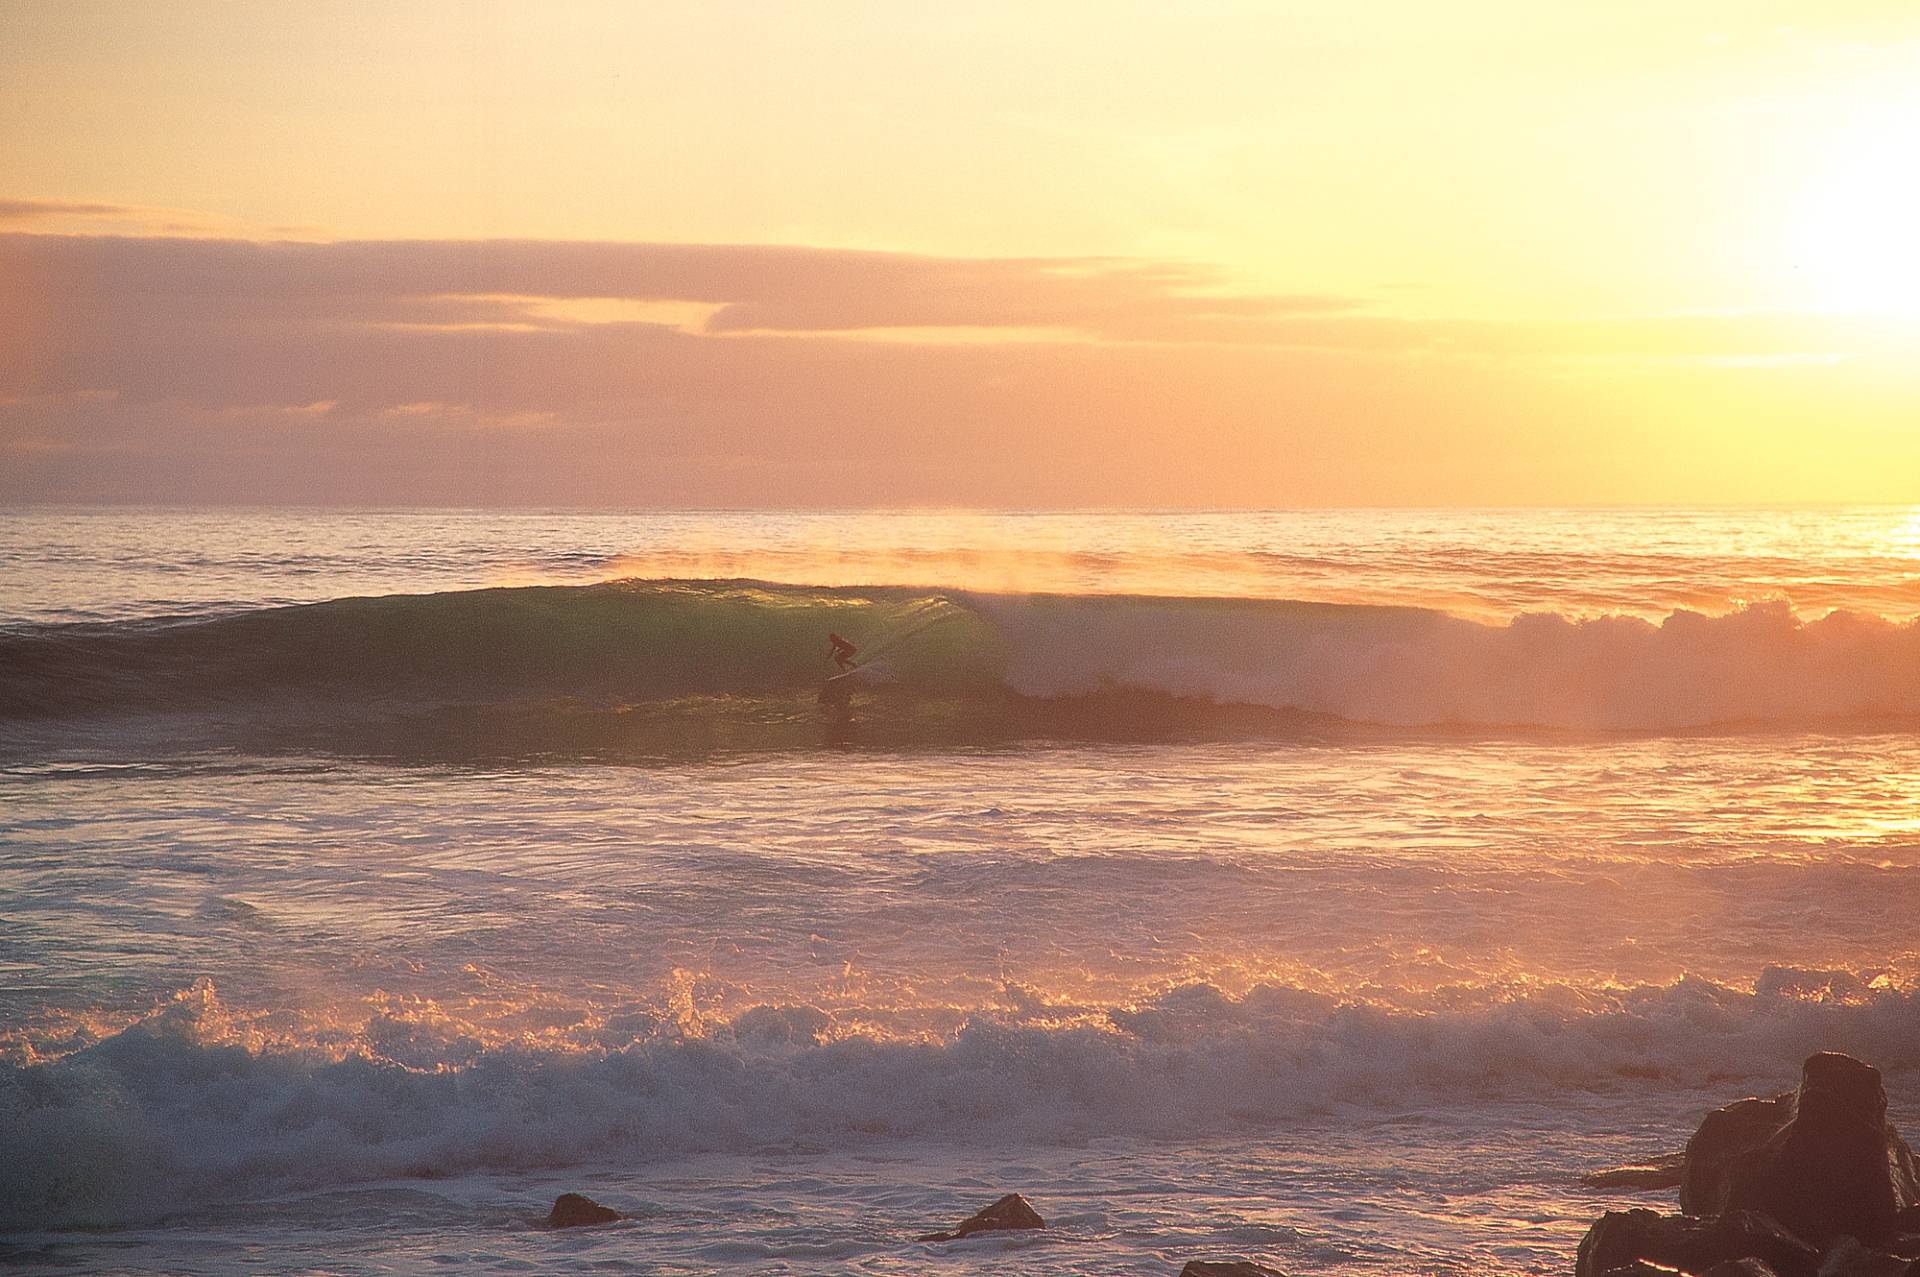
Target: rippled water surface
{"points": [[1363, 999], [88, 563]]}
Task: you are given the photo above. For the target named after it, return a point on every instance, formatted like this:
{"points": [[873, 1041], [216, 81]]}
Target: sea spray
{"points": [[636, 667], [190, 1103]]}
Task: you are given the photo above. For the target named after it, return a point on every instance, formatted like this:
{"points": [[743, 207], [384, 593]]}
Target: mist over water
{"points": [[84, 563], [1329, 888]]}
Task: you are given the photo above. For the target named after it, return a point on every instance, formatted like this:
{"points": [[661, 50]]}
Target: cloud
{"points": [[109, 283], [491, 372], [38, 210], [97, 218], [749, 288]]}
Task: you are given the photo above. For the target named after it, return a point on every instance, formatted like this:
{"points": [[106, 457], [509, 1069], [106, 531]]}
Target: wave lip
{"points": [[1411, 667], [556, 666]]}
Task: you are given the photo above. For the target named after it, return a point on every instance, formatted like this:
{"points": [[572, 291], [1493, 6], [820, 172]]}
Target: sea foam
{"points": [[184, 1107]]}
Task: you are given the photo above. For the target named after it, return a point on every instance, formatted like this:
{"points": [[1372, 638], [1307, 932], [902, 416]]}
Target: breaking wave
{"points": [[575, 666], [183, 1107]]}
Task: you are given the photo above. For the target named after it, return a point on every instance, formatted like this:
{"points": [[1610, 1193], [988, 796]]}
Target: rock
{"points": [[571, 1210], [1011, 1211], [1834, 1168], [1724, 1135], [1768, 1185], [1228, 1268], [1618, 1238], [1661, 1172], [1850, 1259], [1732, 1268]]}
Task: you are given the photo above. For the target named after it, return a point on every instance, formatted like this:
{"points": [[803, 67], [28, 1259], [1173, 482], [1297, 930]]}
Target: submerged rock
{"points": [[1823, 1161], [572, 1210], [1228, 1268], [1690, 1244], [1661, 1172], [1011, 1211]]}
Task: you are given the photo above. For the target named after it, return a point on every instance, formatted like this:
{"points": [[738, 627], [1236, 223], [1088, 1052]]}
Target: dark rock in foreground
{"points": [[1823, 1161], [1732, 1268], [1011, 1211], [571, 1210], [1851, 1259], [1662, 1172], [1228, 1268], [1690, 1244], [1724, 1135], [1813, 1183]]}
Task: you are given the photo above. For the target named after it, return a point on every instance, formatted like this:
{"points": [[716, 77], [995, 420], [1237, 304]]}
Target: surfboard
{"points": [[835, 678]]}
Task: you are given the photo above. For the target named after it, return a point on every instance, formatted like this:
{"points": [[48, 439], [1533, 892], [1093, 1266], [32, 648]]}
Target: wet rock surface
{"points": [[1724, 1135], [572, 1210], [1645, 1177], [1852, 1259], [1836, 1167], [1812, 1183], [1691, 1244], [1010, 1212]]}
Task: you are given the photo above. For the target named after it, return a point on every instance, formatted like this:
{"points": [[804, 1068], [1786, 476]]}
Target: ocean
{"points": [[1331, 889]]}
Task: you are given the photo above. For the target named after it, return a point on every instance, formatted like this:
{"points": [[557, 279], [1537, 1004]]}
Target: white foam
{"points": [[174, 1111], [1395, 666]]}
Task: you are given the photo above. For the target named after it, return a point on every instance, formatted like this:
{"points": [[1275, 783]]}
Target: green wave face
{"points": [[639, 640], [628, 638], [646, 667]]}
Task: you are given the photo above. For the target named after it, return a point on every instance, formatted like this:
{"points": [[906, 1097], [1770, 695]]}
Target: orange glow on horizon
{"points": [[1228, 255]]}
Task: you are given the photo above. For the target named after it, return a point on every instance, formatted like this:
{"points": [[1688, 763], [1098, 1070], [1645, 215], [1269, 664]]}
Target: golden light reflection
{"points": [[1904, 540]]}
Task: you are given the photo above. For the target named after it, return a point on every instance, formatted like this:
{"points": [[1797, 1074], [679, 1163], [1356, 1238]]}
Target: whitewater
{"points": [[1331, 889]]}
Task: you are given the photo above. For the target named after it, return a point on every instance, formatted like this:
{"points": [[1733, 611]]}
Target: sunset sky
{"points": [[1000, 254]]}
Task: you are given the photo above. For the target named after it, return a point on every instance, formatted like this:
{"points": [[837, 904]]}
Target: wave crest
{"points": [[182, 1108], [1406, 667], [587, 668]]}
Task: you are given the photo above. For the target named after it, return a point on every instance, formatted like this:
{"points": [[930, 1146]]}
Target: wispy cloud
{"points": [[45, 210], [100, 217], [178, 368], [745, 288]]}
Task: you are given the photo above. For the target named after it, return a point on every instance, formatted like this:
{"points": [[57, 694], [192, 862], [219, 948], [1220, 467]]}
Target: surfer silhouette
{"points": [[841, 651]]}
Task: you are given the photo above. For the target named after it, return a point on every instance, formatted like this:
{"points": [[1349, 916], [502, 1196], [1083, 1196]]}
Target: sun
{"points": [[1858, 242]]}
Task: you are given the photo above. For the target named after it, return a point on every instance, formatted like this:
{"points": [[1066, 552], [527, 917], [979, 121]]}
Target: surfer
{"points": [[841, 651]]}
